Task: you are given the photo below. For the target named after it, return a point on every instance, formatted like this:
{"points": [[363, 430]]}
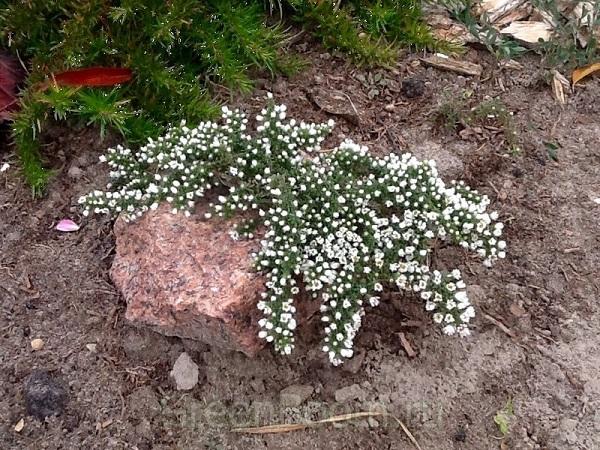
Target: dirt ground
{"points": [[536, 342]]}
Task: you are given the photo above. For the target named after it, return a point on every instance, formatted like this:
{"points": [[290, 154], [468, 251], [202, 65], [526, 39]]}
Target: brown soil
{"points": [[536, 341]]}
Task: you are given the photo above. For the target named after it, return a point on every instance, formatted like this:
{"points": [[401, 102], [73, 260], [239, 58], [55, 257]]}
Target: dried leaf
{"points": [[582, 72], [67, 225], [559, 85], [93, 76]]}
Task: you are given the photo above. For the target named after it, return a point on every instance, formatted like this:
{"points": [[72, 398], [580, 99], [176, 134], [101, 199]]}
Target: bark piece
{"points": [[496, 9], [443, 62]]}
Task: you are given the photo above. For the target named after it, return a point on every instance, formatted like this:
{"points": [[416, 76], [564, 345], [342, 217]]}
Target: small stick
{"points": [[284, 428], [407, 347], [500, 325]]}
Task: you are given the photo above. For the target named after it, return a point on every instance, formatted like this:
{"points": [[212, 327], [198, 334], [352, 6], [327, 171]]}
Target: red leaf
{"points": [[11, 75], [93, 76]]}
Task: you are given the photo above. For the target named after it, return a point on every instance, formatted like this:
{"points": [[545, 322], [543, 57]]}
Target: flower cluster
{"points": [[339, 225]]}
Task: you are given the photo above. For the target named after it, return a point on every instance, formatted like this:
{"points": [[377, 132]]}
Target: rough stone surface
{"points": [[348, 393], [44, 395], [186, 277], [449, 166], [185, 373], [144, 345], [293, 396]]}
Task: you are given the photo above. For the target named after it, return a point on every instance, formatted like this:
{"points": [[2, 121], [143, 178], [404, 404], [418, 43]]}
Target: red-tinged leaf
{"points": [[11, 75], [93, 76]]}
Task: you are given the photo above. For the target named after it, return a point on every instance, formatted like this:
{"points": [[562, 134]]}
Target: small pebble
{"points": [[92, 347], [185, 373], [37, 344], [44, 395], [20, 425]]}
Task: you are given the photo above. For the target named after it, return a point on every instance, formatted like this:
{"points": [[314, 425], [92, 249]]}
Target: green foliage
{"points": [[369, 31], [572, 43], [174, 48], [341, 224], [482, 29], [455, 113], [503, 418], [565, 49], [177, 49]]}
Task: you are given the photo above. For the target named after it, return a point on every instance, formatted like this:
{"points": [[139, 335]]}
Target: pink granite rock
{"points": [[186, 277]]}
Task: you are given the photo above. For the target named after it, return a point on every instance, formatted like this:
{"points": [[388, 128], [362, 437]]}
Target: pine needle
{"points": [[285, 427]]}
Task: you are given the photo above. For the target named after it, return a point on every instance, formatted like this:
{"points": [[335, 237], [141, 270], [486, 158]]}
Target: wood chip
{"points": [[496, 9], [407, 347], [443, 62], [20, 425], [446, 29], [520, 13], [529, 33], [511, 64], [411, 324]]}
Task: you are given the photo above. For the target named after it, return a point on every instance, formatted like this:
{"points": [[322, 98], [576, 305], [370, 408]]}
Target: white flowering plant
{"points": [[340, 224]]}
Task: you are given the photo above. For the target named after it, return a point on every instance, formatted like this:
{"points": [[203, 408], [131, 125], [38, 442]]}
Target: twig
{"points": [[500, 325], [284, 428], [407, 347]]}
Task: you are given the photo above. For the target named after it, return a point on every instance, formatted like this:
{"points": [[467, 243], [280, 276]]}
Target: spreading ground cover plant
{"points": [[177, 51], [341, 223]]}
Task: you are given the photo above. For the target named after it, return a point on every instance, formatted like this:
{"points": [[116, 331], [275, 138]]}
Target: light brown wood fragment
{"points": [[496, 9], [529, 33], [406, 345], [443, 62]]}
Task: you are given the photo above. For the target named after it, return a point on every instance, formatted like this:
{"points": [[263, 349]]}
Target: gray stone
{"points": [[449, 166], [44, 395], [354, 364], [258, 385], [185, 373], [568, 425], [75, 172], [144, 346], [295, 395], [348, 393], [476, 294]]}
